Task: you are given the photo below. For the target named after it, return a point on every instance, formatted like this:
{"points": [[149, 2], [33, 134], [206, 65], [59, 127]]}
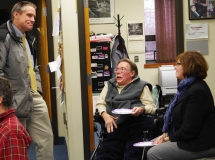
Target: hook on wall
{"points": [[118, 23]]}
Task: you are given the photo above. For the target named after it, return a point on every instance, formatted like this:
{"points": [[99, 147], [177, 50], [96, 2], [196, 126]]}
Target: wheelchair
{"points": [[156, 130], [156, 123]]}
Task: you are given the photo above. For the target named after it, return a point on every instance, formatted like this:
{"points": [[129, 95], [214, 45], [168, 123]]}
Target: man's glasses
{"points": [[121, 70]]}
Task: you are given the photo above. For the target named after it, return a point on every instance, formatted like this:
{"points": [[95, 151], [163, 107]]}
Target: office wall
{"points": [[210, 57], [133, 11], [60, 109], [72, 106]]}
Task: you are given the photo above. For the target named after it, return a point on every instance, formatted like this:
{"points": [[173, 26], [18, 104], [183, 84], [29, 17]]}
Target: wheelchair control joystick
{"points": [[97, 117]]}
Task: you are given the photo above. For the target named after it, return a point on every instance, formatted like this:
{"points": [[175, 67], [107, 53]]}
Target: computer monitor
{"points": [[167, 79]]}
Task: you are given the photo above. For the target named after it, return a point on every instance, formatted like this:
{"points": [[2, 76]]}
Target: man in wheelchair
{"points": [[121, 104]]}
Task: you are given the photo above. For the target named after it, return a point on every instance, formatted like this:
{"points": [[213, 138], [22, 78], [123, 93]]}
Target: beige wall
{"points": [[211, 42], [132, 10], [61, 131], [72, 106]]}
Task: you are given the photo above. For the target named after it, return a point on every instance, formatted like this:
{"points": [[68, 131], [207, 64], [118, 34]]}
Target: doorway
{"points": [[4, 15], [47, 80]]}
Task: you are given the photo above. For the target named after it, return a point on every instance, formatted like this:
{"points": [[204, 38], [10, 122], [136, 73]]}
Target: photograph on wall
{"points": [[202, 1], [201, 9], [135, 37], [101, 11], [135, 28]]}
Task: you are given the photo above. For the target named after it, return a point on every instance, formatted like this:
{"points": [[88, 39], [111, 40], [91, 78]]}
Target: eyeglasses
{"points": [[121, 70]]}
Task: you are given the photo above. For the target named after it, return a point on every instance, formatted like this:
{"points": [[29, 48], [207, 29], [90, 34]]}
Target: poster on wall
{"points": [[196, 31], [201, 9], [101, 11], [135, 29], [136, 37]]}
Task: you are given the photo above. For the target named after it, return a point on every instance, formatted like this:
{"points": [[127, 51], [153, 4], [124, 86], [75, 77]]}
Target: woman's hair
{"points": [[132, 65], [20, 7], [6, 92], [194, 64]]}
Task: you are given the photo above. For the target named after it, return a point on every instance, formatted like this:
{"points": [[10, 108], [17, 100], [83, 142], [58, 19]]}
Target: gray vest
{"points": [[128, 98]]}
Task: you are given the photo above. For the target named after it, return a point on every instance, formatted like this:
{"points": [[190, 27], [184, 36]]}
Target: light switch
{"points": [[136, 58]]}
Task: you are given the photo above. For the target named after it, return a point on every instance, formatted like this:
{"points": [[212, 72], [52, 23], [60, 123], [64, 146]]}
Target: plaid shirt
{"points": [[14, 139]]}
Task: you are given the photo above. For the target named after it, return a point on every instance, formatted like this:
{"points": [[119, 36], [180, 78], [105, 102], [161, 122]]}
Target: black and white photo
{"points": [[101, 11], [135, 28]]}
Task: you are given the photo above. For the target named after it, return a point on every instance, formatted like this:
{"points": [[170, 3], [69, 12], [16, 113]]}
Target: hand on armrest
{"points": [[109, 121]]}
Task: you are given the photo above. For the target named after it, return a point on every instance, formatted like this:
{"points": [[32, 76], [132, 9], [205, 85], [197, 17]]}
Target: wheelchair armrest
{"points": [[160, 111]]}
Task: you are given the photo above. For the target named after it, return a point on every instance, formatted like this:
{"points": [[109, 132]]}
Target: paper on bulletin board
{"points": [[196, 31], [55, 66], [136, 45], [56, 26]]}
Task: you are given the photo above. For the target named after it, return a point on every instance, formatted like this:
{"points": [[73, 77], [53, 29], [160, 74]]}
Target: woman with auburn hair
{"points": [[189, 122]]}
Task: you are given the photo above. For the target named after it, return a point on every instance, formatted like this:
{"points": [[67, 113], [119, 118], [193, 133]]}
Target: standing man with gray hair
{"points": [[18, 64]]}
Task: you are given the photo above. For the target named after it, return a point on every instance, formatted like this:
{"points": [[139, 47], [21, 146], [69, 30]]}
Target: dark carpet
{"points": [[60, 151]]}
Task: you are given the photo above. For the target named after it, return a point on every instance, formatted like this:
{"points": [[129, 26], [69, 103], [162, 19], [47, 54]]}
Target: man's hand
{"points": [[109, 121], [136, 111]]}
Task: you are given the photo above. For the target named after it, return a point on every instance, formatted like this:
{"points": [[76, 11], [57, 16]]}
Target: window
{"points": [[149, 21], [163, 30]]}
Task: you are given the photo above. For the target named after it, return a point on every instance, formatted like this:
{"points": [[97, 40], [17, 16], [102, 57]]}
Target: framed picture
{"points": [[202, 1], [101, 11], [136, 37], [201, 9], [135, 29]]}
